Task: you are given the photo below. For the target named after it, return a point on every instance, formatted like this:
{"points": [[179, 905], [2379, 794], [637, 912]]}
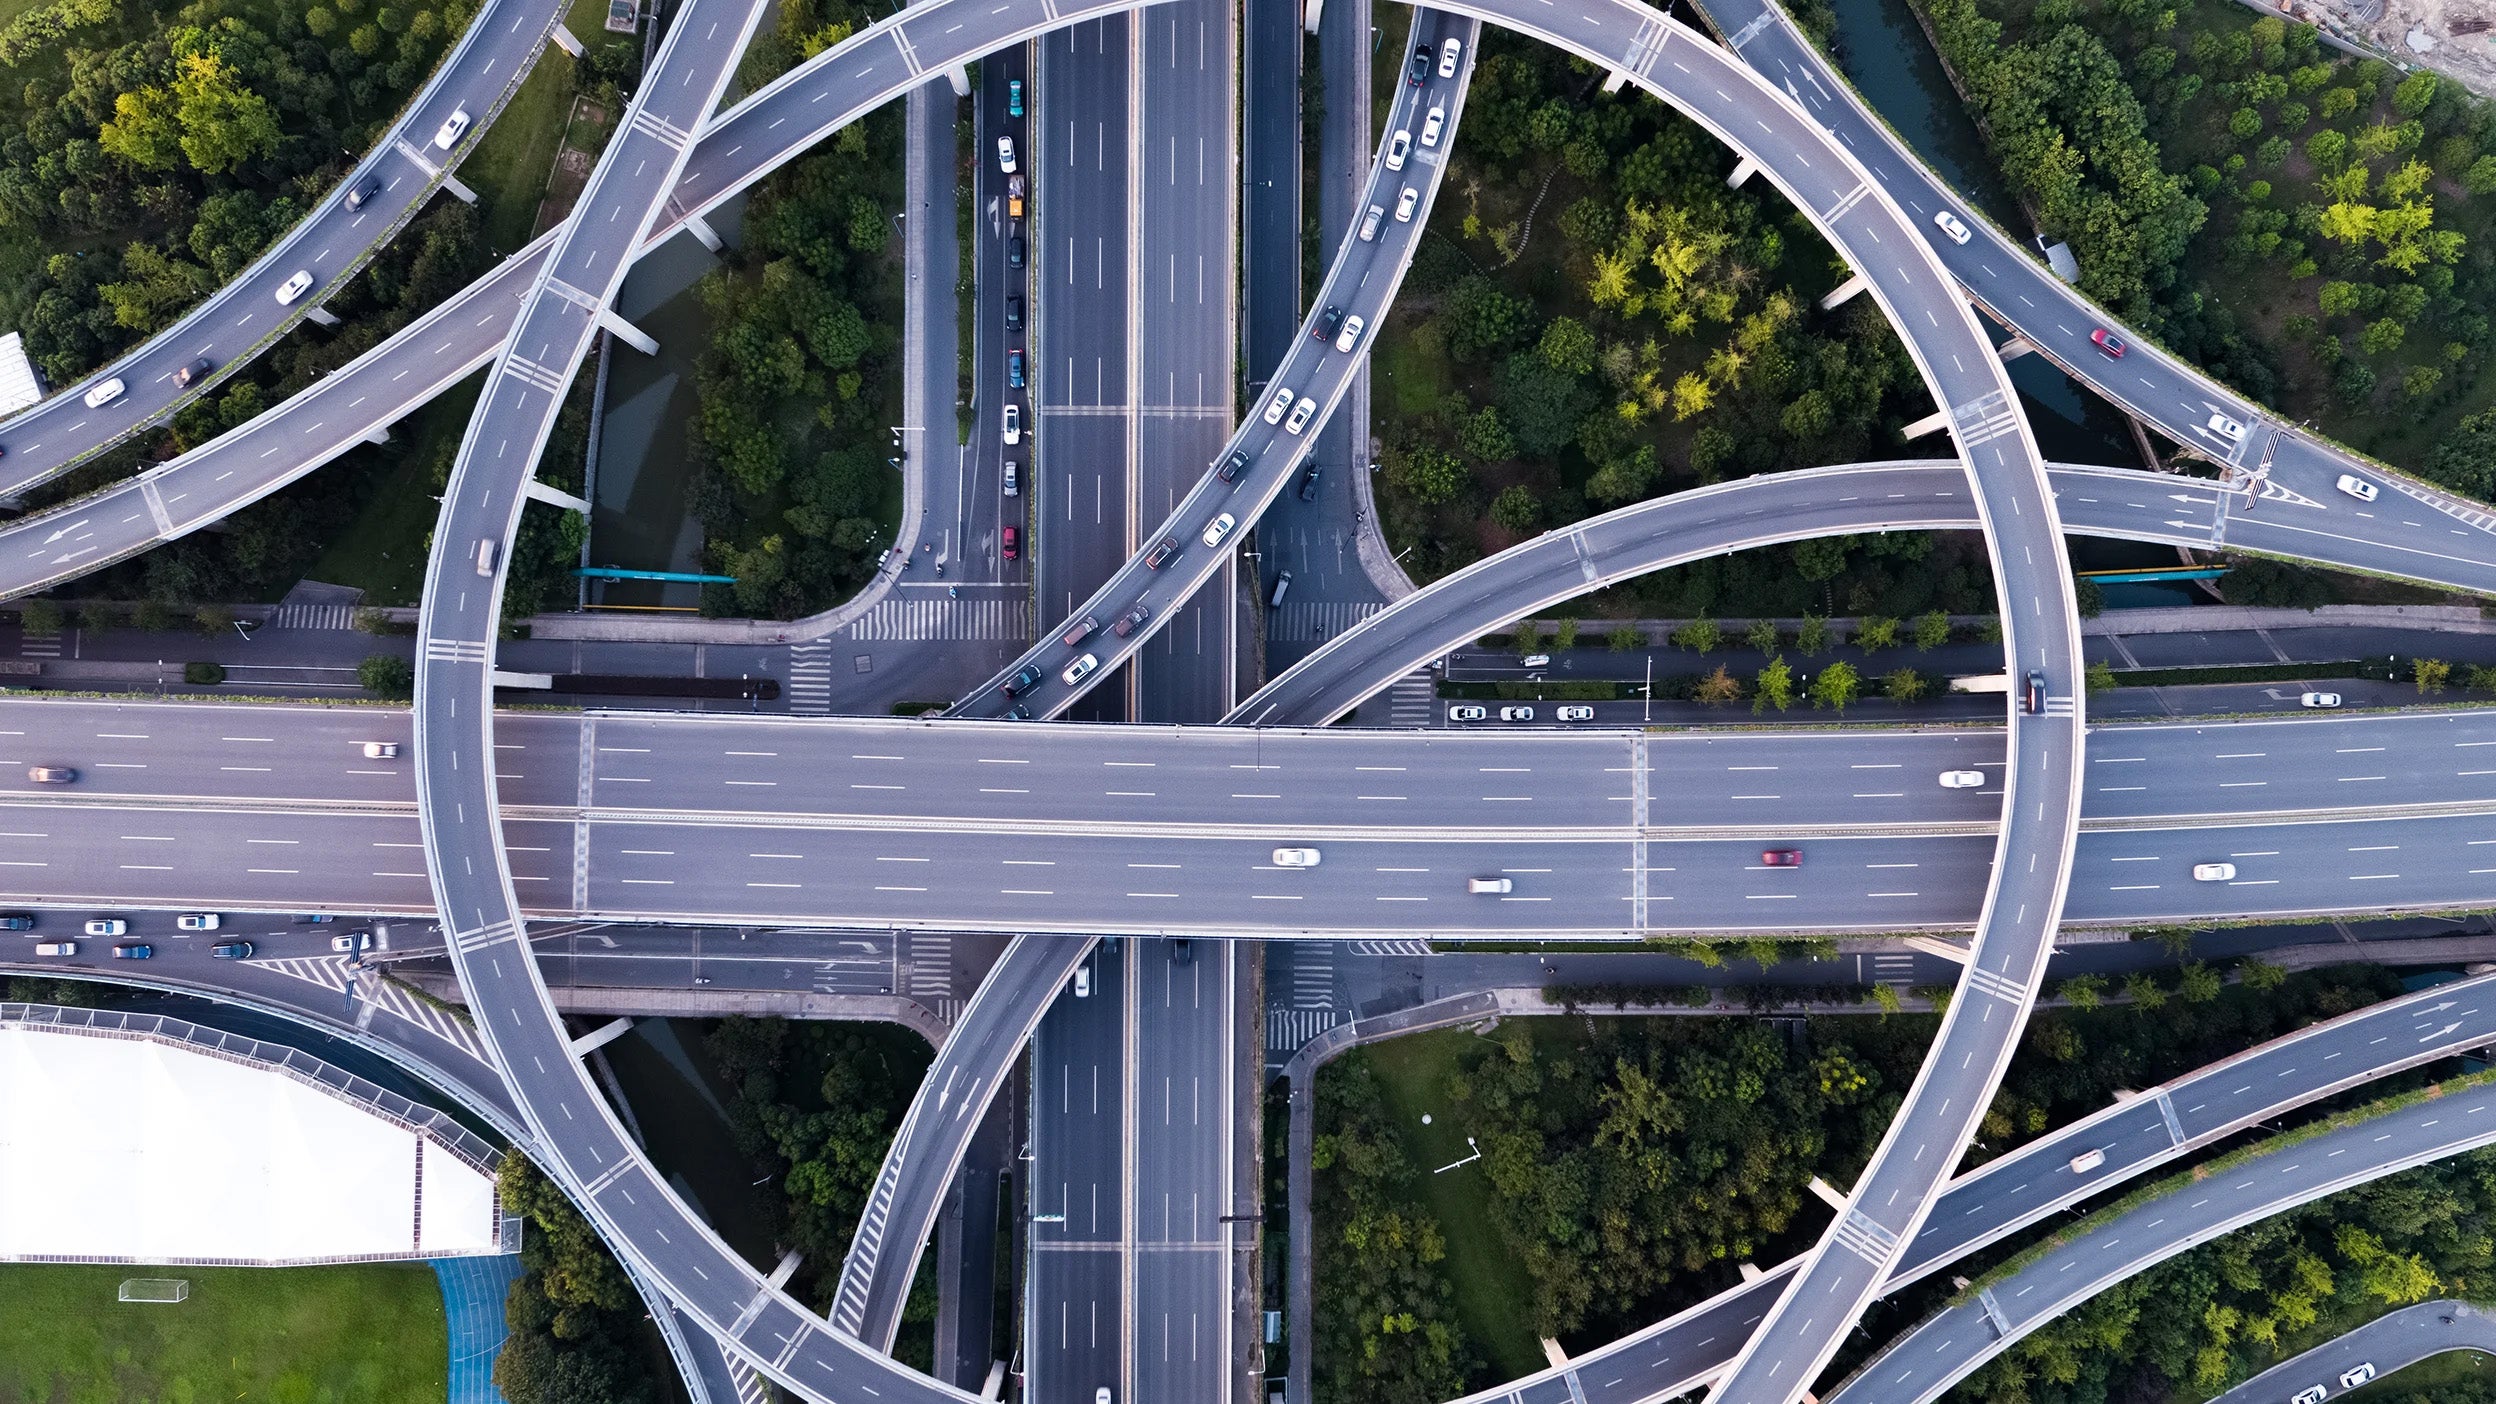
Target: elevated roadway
{"points": [[2391, 1342], [244, 317], [2120, 503], [2273, 461]]}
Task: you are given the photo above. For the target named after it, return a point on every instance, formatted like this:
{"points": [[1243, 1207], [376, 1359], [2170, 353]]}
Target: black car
{"points": [[1418, 72], [1018, 712], [1162, 553], [1013, 313], [1328, 323], [1023, 681], [1130, 621], [233, 950], [1308, 482], [2034, 697], [1014, 252], [1229, 469], [364, 192], [191, 372]]}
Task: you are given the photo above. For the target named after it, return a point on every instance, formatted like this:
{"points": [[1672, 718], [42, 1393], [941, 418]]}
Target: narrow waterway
{"points": [[1889, 61]]}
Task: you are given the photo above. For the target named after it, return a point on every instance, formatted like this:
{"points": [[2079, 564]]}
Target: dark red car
{"points": [[1010, 540], [1782, 858], [2108, 342]]}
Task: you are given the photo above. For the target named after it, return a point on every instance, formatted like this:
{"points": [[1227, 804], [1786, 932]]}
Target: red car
{"points": [[1011, 540], [2108, 342], [1782, 858]]}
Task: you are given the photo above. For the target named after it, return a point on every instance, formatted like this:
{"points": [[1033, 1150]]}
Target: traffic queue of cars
{"points": [[1017, 362]]}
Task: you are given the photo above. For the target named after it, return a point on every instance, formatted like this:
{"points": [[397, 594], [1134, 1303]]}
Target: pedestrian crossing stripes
{"points": [[1312, 979], [1751, 31], [1317, 619], [333, 973], [34, 645], [1866, 1239], [572, 295], [931, 964], [2062, 706], [1391, 948], [750, 1386], [810, 677], [1983, 419], [1000, 618], [1413, 699], [1287, 1029], [1852, 198], [657, 126], [1896, 968], [2000, 987], [312, 616], [455, 650], [1644, 50], [529, 372]]}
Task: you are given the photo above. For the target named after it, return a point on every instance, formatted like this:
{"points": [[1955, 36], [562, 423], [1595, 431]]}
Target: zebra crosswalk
{"points": [[1414, 947], [913, 618], [810, 677], [1287, 1029], [930, 965], [33, 645], [311, 616], [1896, 968], [1313, 620], [332, 973], [751, 1389], [1413, 699]]}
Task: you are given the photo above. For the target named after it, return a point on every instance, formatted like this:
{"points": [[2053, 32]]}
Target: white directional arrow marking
{"points": [[64, 531]]}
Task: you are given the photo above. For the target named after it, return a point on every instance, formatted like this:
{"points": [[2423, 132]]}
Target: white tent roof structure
{"points": [[129, 1145], [18, 385]]}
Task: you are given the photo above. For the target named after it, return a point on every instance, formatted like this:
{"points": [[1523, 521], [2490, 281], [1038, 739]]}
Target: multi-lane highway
{"points": [[2119, 503], [244, 317]]}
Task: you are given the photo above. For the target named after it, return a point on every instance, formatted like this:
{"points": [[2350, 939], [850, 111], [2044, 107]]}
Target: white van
{"points": [[105, 393]]}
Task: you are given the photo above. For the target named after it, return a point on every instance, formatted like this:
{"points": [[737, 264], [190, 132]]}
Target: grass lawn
{"points": [[371, 1334], [383, 550], [509, 167], [1489, 1281], [2427, 1378]]}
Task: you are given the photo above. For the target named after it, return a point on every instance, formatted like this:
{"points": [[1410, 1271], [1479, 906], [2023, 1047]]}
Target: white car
{"points": [[1535, 660], [1467, 711], [1432, 124], [1516, 714], [1080, 669], [381, 750], [1574, 714], [1449, 52], [1301, 413], [1497, 887], [1295, 857], [1005, 154], [1220, 528], [1405, 204], [2358, 1374], [352, 942], [1350, 336], [2214, 872], [196, 921], [1950, 225], [1962, 779], [1278, 404], [2225, 428], [2311, 1394], [1369, 222], [108, 926], [1399, 146], [1013, 424], [454, 127], [2318, 699], [105, 393], [294, 287], [1083, 980], [2358, 487]]}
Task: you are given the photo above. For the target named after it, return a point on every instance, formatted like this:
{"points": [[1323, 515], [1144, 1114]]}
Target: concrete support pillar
{"points": [[1842, 292], [1932, 945], [539, 681], [564, 40], [1752, 1272], [1309, 15], [557, 497], [1938, 419], [2014, 348], [379, 435], [465, 195], [1554, 1355], [600, 1037], [1743, 170], [787, 1267], [1614, 81], [626, 332], [1828, 1193], [960, 76], [315, 314], [700, 228]]}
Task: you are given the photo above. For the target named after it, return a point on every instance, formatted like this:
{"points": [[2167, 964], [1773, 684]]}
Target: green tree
{"points": [[2257, 974], [1426, 476], [2410, 99], [2480, 179], [1720, 687], [1480, 318], [223, 122], [1567, 346], [1761, 635], [1902, 684], [145, 130], [2197, 983], [40, 616], [1485, 437], [2431, 674], [1932, 630], [1875, 632], [2101, 677], [1813, 637], [1774, 687], [1701, 636], [1564, 637], [1835, 686], [2083, 992], [1517, 510], [1624, 638], [2148, 996], [2244, 123]]}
